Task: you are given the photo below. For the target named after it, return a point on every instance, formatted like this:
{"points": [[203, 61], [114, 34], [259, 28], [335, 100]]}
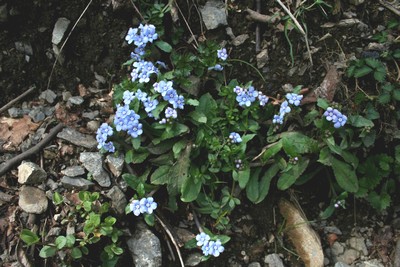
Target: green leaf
{"points": [[257, 189], [379, 202], [149, 219], [289, 177], [57, 198], [242, 177], [396, 94], [60, 242], [198, 116], [160, 175], [380, 76], [190, 189], [70, 241], [384, 98], [117, 250], [322, 103], [192, 102], [129, 156], [179, 171], [345, 175], [360, 121], [296, 143], [360, 72], [271, 151], [207, 106], [164, 46], [76, 253], [139, 157], [47, 251], [29, 237]]}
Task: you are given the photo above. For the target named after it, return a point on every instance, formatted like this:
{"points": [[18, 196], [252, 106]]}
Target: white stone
{"points": [[59, 30]]}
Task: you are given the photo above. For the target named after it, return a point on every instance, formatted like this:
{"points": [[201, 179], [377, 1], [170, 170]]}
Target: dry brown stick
{"points": [[6, 166], [258, 45], [172, 240], [256, 16], [66, 40], [12, 102]]}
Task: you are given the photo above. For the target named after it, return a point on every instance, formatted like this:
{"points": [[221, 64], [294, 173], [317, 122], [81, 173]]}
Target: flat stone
{"points": [[194, 259], [75, 100], [77, 138], [76, 183], [48, 95], [254, 264], [90, 115], [358, 243], [37, 114], [73, 171], [32, 200], [118, 199], [273, 260], [262, 58], [213, 14], [371, 263], [93, 162], [31, 173], [25, 48], [115, 164], [59, 30], [145, 247]]}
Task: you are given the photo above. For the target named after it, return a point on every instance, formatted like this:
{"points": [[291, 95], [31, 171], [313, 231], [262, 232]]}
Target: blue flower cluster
{"points": [[165, 88], [145, 205], [336, 117], [127, 120], [293, 99], [223, 55], [102, 134], [235, 137], [142, 35], [245, 97], [142, 71], [214, 248]]}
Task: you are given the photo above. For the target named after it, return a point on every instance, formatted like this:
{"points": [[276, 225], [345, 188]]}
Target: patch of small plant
{"points": [[92, 216]]}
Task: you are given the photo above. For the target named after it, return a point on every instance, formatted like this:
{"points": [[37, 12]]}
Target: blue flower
{"points": [[128, 97], [217, 67], [294, 99], [131, 36], [284, 108], [235, 137], [147, 205], [243, 99], [216, 248], [222, 54], [147, 34], [163, 87], [336, 117], [179, 102], [142, 96], [202, 239], [245, 96], [171, 96], [170, 113], [142, 71], [238, 90], [135, 129], [150, 105], [278, 119], [263, 99], [109, 146], [135, 207]]}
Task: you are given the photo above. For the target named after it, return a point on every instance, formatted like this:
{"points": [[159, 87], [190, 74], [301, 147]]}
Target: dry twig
{"points": [[6, 166], [12, 102], [172, 239]]}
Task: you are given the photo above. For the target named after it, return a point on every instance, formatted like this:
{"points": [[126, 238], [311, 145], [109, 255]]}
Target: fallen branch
{"points": [[256, 16], [390, 6], [298, 27], [12, 102], [6, 166], [172, 239]]}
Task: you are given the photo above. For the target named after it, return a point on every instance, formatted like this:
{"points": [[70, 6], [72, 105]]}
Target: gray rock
{"points": [[48, 95], [37, 114], [240, 39], [93, 125], [262, 58], [15, 112], [3, 13], [59, 30], [54, 231], [51, 184], [193, 259], [396, 260], [254, 264], [76, 183], [115, 164], [90, 115], [93, 162], [358, 243], [25, 48], [118, 199], [75, 100], [332, 230], [31, 173], [349, 256], [66, 95], [213, 14], [73, 171], [273, 260], [145, 247], [77, 138], [32, 200], [341, 264]]}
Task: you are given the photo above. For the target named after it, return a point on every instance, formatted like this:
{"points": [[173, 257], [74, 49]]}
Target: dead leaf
{"points": [[15, 131], [83, 91], [303, 237], [65, 116], [331, 238]]}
